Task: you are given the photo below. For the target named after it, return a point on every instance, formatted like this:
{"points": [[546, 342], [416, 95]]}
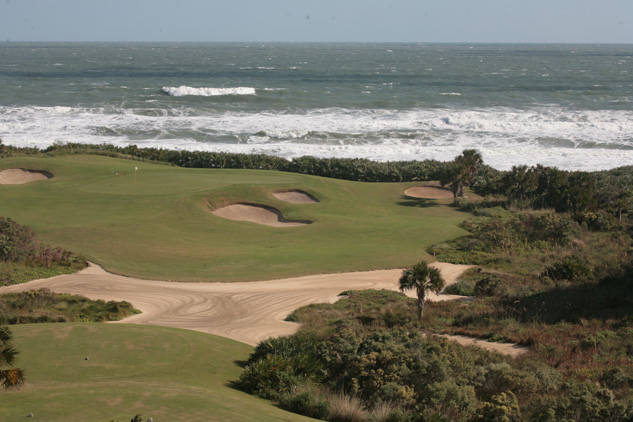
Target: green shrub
{"points": [[596, 221], [572, 268], [461, 288], [306, 403], [269, 377], [490, 285], [450, 397], [614, 378], [398, 415], [500, 377], [503, 407], [398, 317], [583, 402], [43, 305], [597, 339], [548, 378]]}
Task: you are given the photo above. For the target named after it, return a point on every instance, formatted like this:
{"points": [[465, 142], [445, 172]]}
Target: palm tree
{"points": [[8, 377], [422, 278], [468, 163]]}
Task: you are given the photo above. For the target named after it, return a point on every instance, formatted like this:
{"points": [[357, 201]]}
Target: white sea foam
{"points": [[587, 140], [183, 90]]}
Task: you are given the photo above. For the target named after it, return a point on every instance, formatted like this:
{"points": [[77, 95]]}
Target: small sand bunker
{"points": [[20, 176], [428, 192], [295, 196], [259, 214]]}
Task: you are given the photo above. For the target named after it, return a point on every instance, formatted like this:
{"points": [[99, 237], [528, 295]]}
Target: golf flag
{"points": [[135, 168]]}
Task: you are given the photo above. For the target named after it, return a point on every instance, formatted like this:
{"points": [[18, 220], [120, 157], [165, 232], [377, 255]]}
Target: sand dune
{"points": [[246, 312], [21, 176]]}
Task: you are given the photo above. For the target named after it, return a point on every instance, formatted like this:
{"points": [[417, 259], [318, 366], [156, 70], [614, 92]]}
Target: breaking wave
{"points": [[184, 90], [555, 136]]}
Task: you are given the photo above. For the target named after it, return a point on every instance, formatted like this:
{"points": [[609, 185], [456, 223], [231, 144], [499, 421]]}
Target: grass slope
{"points": [[167, 374], [158, 223]]}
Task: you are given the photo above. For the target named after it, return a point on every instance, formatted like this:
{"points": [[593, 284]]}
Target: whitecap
{"points": [[184, 90], [549, 135]]}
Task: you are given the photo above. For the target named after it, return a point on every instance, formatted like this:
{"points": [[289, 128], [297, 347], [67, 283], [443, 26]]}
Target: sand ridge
{"points": [[247, 312], [21, 176], [259, 214], [295, 196]]}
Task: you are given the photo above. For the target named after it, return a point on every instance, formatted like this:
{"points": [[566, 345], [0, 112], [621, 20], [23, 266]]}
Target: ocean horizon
{"points": [[563, 105]]}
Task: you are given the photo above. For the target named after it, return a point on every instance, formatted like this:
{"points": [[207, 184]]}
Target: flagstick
{"points": [[135, 168]]}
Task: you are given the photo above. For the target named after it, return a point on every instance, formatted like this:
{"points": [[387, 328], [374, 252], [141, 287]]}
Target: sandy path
{"points": [[246, 312]]}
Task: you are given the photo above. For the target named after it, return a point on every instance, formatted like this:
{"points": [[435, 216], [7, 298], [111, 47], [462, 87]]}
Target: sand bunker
{"points": [[295, 197], [246, 312], [428, 192], [259, 214], [20, 176]]}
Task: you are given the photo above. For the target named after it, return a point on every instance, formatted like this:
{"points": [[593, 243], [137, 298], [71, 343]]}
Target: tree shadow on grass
{"points": [[408, 201], [235, 384], [241, 363]]}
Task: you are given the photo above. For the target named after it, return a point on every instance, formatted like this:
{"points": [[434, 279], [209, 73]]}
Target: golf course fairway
{"points": [[162, 373], [157, 221], [160, 222]]}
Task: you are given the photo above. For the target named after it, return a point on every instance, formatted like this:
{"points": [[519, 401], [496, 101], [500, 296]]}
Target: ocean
{"points": [[569, 106]]}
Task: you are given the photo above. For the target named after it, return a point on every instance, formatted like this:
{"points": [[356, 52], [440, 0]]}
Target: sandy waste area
{"points": [[247, 312]]}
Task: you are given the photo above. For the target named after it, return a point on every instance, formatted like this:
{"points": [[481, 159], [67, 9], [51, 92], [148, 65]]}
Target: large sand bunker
{"points": [[247, 312], [295, 196], [20, 176], [428, 192], [259, 214]]}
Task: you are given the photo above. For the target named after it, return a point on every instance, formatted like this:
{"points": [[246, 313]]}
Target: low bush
{"points": [[24, 258], [572, 268], [43, 305], [461, 288]]}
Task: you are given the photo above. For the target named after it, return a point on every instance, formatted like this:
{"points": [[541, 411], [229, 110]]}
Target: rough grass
{"points": [[166, 374], [21, 272], [44, 305], [158, 223]]}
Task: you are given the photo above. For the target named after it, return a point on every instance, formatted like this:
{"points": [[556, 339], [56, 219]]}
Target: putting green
{"points": [[157, 221], [166, 374]]}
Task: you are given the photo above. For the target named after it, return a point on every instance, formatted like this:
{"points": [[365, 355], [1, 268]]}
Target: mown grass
{"points": [[162, 373], [158, 223]]}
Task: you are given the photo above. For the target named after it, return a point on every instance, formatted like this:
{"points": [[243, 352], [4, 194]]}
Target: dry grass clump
{"points": [[346, 408]]}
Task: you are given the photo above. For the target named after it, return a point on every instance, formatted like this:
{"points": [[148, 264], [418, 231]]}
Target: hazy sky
{"points": [[550, 21]]}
